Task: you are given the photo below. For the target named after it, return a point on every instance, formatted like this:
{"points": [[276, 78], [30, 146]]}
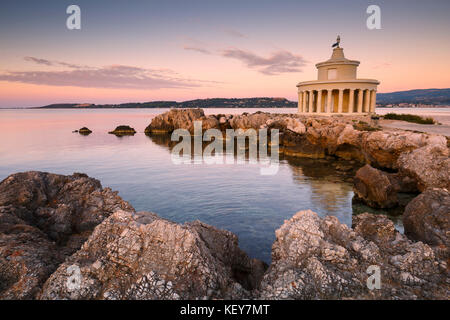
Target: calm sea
{"points": [[229, 196]]}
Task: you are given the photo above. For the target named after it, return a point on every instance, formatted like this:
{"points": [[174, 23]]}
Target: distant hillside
{"points": [[421, 96], [152, 104], [199, 103]]}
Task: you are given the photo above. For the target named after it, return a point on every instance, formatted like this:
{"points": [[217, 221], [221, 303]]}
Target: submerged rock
{"points": [[84, 131], [44, 218], [427, 217], [123, 131], [315, 258], [141, 256]]}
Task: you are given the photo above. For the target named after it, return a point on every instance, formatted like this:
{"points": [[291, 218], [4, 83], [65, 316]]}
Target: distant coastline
{"points": [[421, 98]]}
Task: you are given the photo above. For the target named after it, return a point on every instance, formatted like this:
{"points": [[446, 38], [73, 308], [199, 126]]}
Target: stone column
{"points": [[311, 98], [304, 101], [360, 100], [367, 101], [329, 95], [340, 100], [373, 100], [351, 100], [319, 101], [300, 101]]}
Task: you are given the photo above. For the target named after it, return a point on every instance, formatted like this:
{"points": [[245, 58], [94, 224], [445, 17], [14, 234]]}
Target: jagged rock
{"points": [[210, 122], [27, 257], [314, 137], [44, 218], [374, 187], [315, 258], [379, 189], [427, 217], [295, 125], [249, 121], [142, 256], [428, 165], [175, 119]]}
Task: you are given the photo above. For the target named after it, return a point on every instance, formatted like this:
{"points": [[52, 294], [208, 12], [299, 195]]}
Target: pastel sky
{"points": [[136, 51]]}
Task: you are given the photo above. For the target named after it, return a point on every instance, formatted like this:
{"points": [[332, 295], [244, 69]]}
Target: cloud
{"points": [[54, 63], [235, 33], [278, 62], [39, 61], [113, 76], [196, 48]]}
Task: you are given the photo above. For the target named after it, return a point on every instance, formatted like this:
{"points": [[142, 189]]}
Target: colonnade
{"points": [[337, 101]]}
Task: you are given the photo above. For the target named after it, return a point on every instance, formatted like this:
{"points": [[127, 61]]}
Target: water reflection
{"points": [[234, 197]]}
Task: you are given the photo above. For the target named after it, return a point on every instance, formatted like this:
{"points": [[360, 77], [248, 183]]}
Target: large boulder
{"points": [[141, 256], [379, 189], [315, 258], [27, 257], [44, 218], [175, 119], [374, 187], [428, 165], [427, 217], [249, 121]]}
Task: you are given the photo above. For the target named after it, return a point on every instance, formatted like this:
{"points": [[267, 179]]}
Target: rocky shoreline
{"points": [[51, 223], [67, 237]]}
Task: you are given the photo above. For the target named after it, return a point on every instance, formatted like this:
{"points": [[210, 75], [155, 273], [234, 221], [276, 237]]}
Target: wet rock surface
{"points": [[44, 218], [315, 258]]}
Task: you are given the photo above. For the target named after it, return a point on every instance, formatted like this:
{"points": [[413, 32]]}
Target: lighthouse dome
{"points": [[338, 67]]}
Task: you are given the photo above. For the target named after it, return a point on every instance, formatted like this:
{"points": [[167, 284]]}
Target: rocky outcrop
{"points": [[374, 187], [123, 131], [379, 189], [428, 165], [315, 258], [427, 217], [65, 237], [141, 256], [181, 119], [352, 138], [84, 131], [43, 219]]}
